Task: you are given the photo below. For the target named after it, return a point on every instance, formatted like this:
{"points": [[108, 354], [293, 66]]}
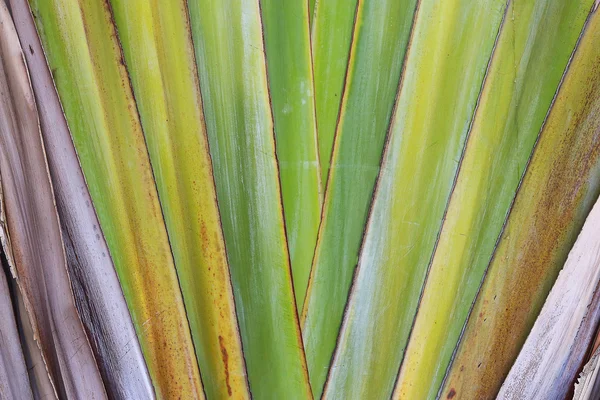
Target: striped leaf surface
{"points": [[560, 339], [39, 380], [333, 24], [14, 381], [165, 84], [228, 38], [290, 76], [30, 233], [93, 277], [378, 47], [450, 46], [558, 190], [533, 49], [80, 40]]}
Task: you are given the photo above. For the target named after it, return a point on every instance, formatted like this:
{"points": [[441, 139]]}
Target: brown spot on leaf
{"points": [[225, 357], [451, 394]]}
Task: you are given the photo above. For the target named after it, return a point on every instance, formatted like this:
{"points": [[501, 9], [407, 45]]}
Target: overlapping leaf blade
{"points": [[14, 381], [557, 345], [557, 192], [39, 380], [289, 62], [533, 49], [165, 83], [30, 234], [378, 48], [332, 26], [83, 52], [97, 291], [401, 250], [445, 66], [233, 80]]}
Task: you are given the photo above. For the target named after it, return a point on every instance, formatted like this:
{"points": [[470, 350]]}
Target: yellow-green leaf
{"points": [[447, 59], [81, 45], [159, 53], [332, 26], [377, 54], [239, 121], [558, 190], [533, 49], [289, 62]]}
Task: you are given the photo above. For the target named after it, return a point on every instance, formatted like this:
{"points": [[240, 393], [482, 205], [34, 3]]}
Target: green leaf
{"points": [[558, 190], [83, 52], [533, 49], [93, 278], [158, 49], [450, 46], [233, 76], [332, 26], [289, 66], [560, 339], [378, 48]]}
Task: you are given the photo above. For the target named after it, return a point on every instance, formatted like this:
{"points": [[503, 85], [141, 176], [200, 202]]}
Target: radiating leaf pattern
{"points": [[440, 86], [239, 121], [290, 74], [80, 40], [533, 48], [358, 199], [377, 54], [558, 190], [168, 98]]}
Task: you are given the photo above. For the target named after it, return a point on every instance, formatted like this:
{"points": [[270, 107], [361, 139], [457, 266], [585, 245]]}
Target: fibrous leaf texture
{"points": [[31, 235], [97, 290], [168, 98], [239, 121], [559, 340], [557, 192], [532, 50], [80, 40], [14, 381]]}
